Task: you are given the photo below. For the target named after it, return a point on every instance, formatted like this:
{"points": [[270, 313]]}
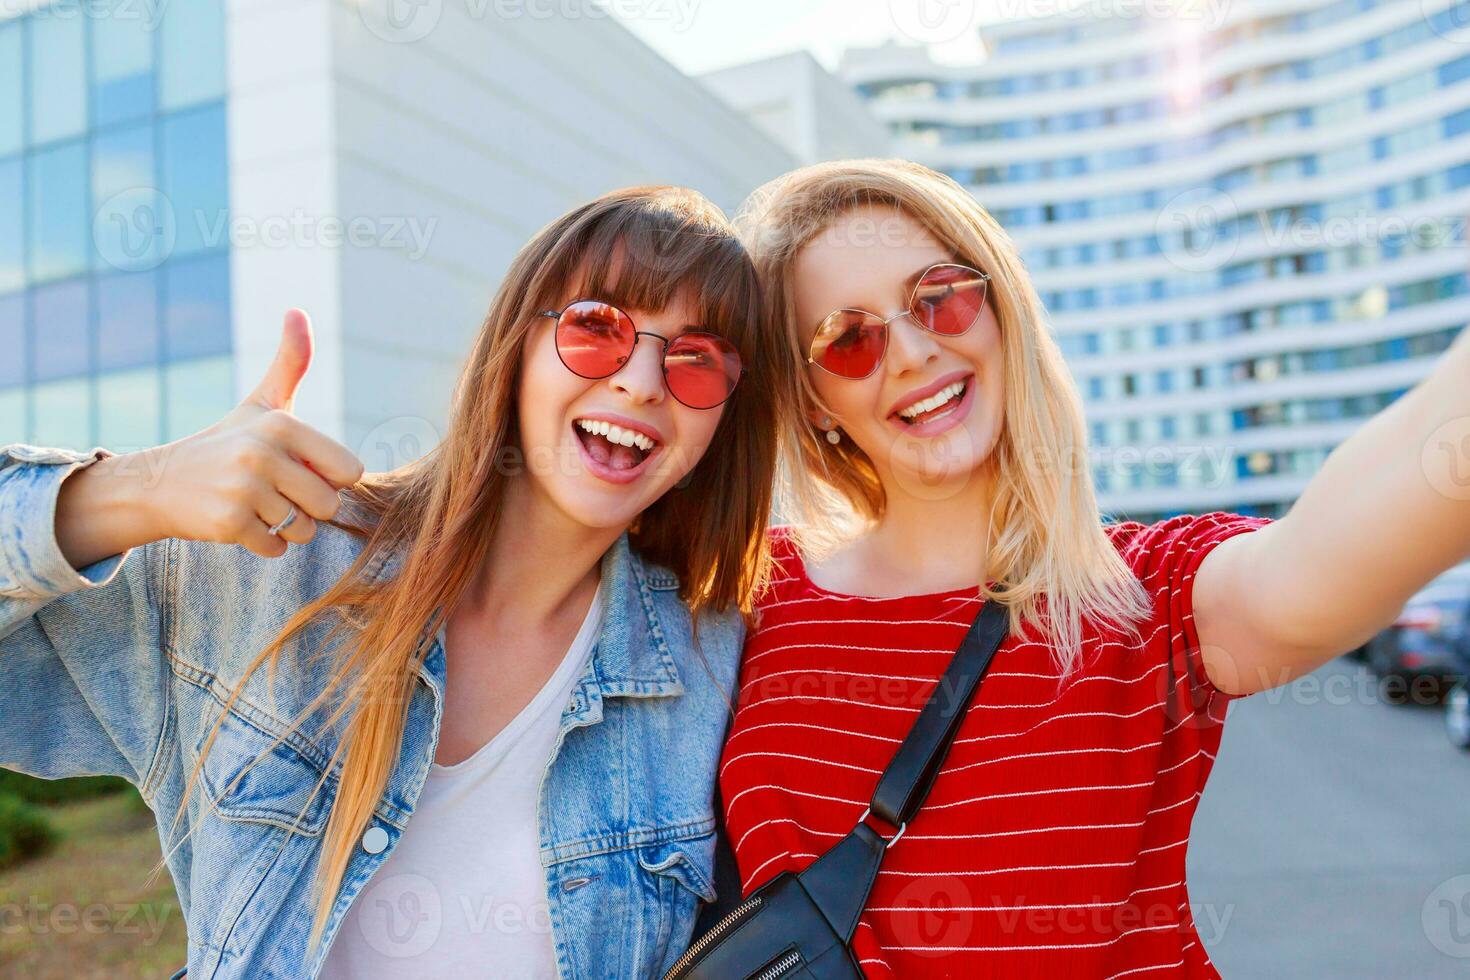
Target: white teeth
{"points": [[933, 401], [617, 434]]}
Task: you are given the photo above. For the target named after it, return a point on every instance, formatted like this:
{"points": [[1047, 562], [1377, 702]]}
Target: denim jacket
{"points": [[122, 668]]}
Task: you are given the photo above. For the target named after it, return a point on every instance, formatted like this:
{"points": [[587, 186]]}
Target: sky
{"points": [[702, 35]]}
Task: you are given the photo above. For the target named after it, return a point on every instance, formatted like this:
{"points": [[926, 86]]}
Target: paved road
{"points": [[1332, 837]]}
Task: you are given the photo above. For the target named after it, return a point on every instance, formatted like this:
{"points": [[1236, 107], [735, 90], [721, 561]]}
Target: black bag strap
{"points": [[727, 880], [839, 881], [906, 782]]}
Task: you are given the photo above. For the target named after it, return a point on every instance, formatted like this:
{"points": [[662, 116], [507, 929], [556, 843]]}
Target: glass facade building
{"points": [[1248, 235], [114, 264], [174, 176]]}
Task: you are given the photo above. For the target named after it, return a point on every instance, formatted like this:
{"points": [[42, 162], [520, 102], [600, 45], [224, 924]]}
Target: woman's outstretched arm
{"points": [[1388, 511]]}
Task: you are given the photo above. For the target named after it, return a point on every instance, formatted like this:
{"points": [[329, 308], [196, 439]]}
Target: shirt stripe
{"points": [[1053, 842]]}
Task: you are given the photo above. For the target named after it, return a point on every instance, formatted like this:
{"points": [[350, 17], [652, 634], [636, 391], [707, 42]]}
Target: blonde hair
{"points": [[636, 248], [1049, 547]]}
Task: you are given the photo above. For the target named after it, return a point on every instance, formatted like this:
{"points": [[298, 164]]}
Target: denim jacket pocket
{"points": [[262, 827], [689, 862], [248, 778], [684, 872]]}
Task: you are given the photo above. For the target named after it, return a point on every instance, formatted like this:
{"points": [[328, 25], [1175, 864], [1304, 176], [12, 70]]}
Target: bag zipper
{"points": [[781, 967], [717, 932]]}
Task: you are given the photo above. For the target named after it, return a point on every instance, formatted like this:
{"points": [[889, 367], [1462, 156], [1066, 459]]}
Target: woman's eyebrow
{"points": [[682, 330], [909, 282], [913, 278]]}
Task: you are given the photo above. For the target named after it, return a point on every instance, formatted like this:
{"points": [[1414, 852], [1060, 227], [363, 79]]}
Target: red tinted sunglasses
{"points": [[947, 299], [595, 339]]}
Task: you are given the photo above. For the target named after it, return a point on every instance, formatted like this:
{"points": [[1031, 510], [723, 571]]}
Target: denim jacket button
{"points": [[375, 840]]}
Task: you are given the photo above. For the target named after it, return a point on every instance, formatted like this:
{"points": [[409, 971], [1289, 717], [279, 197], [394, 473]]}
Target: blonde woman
{"points": [[935, 448], [485, 740]]}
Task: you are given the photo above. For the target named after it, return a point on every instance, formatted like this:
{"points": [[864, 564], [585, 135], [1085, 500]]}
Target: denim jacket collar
{"points": [[627, 813], [632, 656]]}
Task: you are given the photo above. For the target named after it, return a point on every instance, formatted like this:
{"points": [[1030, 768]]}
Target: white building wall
{"points": [[798, 103], [449, 139], [283, 169]]}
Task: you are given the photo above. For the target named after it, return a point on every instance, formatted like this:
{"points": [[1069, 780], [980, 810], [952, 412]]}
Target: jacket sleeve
{"points": [[84, 681]]}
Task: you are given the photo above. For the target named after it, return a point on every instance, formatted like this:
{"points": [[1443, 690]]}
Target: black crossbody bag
{"points": [[798, 926]]}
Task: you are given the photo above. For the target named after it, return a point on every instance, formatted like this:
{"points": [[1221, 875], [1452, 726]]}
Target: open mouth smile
{"points": [[612, 452], [940, 411]]}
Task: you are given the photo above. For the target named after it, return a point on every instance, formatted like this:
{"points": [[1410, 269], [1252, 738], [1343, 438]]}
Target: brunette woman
{"points": [[498, 677]]}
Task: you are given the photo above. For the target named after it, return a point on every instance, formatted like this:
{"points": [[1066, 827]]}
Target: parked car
{"points": [[1428, 646], [1457, 706], [1457, 713]]}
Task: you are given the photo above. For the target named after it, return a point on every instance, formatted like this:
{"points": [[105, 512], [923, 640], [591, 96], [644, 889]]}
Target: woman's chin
{"points": [[939, 468], [937, 482], [598, 505]]}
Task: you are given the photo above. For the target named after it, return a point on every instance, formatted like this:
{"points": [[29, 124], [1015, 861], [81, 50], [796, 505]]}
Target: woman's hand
{"points": [[227, 483]]}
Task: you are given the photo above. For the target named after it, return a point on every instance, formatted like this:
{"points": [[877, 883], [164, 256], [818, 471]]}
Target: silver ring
{"points": [[290, 516], [890, 841]]}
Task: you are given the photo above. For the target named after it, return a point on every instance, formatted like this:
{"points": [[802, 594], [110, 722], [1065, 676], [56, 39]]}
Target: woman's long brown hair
{"points": [[636, 248]]}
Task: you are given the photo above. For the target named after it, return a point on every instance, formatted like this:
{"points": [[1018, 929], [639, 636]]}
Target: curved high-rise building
{"points": [[1245, 219]]}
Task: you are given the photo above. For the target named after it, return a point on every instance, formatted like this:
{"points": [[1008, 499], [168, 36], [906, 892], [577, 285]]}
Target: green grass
{"points": [[34, 790], [25, 830], [82, 910]]}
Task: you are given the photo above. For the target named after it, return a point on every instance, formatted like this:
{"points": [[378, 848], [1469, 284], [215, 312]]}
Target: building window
{"points": [[60, 227], [196, 310], [59, 324], [122, 66], [192, 53], [58, 72]]}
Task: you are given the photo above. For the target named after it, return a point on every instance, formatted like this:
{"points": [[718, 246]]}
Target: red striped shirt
{"points": [[1053, 841]]}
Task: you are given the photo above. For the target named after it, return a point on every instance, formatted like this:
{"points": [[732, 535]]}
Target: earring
{"points": [[833, 436]]}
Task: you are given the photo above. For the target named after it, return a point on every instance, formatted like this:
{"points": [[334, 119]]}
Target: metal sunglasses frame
{"points": [[662, 361], [906, 312]]}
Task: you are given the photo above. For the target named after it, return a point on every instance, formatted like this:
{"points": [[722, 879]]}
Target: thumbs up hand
{"points": [[278, 388], [234, 480]]}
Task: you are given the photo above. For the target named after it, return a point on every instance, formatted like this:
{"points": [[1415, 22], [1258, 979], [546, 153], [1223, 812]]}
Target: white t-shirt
{"points": [[464, 894]]}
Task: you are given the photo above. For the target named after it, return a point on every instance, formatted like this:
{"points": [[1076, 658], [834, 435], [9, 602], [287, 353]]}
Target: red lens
{"points": [[594, 339], [849, 343], [701, 369], [948, 299]]}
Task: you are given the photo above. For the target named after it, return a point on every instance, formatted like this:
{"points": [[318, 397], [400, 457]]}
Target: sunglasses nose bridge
{"points": [[662, 340], [900, 315], [914, 345], [634, 381]]}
